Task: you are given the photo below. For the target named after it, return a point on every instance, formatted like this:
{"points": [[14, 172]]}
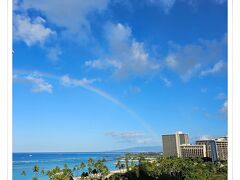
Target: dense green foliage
{"points": [[142, 167], [95, 170], [60, 174], [172, 169]]}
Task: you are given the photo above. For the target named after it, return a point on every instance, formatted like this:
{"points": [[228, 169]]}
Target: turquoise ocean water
{"points": [[46, 161]]}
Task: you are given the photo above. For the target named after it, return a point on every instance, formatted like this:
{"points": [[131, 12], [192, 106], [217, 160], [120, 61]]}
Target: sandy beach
{"points": [[108, 176]]}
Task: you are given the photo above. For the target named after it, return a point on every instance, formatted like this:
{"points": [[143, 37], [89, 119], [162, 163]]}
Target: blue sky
{"points": [[110, 74]]}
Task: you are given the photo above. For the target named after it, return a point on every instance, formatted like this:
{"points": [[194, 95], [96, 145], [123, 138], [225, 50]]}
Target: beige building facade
{"points": [[178, 145], [172, 142], [222, 148], [189, 150]]}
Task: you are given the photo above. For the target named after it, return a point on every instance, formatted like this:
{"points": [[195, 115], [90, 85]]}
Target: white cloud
{"points": [[166, 5], [128, 57], [185, 60], [205, 137], [38, 83], [31, 31], [104, 64], [67, 81], [224, 108], [215, 69], [54, 53], [41, 85], [69, 14], [171, 61], [189, 60]]}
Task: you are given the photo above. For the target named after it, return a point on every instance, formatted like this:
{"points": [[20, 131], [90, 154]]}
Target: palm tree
{"points": [[66, 171], [42, 172], [90, 170], [65, 166], [23, 173], [122, 166], [104, 170], [126, 161], [53, 172], [36, 170], [98, 165], [75, 168], [81, 167], [90, 165], [118, 165]]}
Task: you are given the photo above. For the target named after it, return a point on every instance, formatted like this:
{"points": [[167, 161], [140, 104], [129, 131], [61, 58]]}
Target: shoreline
{"points": [[108, 176]]}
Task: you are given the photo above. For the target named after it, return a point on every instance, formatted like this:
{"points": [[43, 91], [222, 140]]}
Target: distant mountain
{"points": [[141, 149]]}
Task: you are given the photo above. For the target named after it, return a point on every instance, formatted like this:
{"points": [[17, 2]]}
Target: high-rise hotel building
{"points": [[217, 149], [222, 148], [211, 149], [172, 142]]}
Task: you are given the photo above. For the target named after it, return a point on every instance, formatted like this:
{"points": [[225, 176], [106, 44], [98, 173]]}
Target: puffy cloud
{"points": [[189, 60], [224, 108], [104, 64], [67, 81], [69, 14], [128, 56], [38, 83], [171, 61], [215, 69], [31, 31], [167, 5]]}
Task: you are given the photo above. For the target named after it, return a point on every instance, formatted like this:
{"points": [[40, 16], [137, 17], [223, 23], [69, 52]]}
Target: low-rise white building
{"points": [[190, 150]]}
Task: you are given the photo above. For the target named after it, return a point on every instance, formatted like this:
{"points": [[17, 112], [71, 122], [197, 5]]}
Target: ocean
{"points": [[46, 161]]}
